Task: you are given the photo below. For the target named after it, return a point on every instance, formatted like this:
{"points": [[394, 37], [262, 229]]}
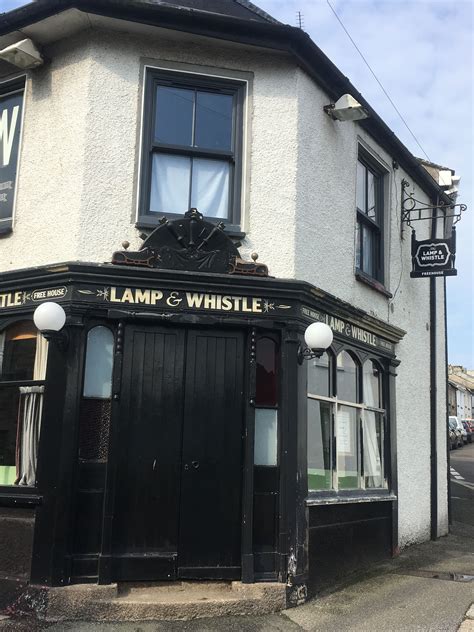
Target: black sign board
{"points": [[10, 126], [433, 257]]}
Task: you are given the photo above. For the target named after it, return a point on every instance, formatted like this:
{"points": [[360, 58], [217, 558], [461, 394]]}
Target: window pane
{"points": [[213, 121], [18, 349], [266, 386], [99, 363], [361, 187], [319, 445], [170, 179], [346, 377], [373, 449], [174, 116], [266, 436], [9, 406], [367, 251], [94, 424], [357, 246], [347, 442], [210, 187], [372, 385], [371, 184], [318, 376]]}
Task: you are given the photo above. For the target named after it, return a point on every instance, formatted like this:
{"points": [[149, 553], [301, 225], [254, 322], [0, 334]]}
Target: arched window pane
{"points": [[372, 385], [17, 352], [266, 387], [346, 377], [318, 376], [99, 363]]}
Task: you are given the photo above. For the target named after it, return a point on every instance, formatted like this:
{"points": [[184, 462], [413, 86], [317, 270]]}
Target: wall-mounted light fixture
{"points": [[50, 319], [318, 337], [23, 54], [346, 108]]}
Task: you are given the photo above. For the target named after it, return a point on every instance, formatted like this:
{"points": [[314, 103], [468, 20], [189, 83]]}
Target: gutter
{"points": [[274, 36]]}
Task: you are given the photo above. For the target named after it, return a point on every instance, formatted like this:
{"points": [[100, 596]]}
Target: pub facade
{"points": [[176, 188]]}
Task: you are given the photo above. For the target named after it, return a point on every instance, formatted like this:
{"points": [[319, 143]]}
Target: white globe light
{"points": [[49, 317], [318, 336]]}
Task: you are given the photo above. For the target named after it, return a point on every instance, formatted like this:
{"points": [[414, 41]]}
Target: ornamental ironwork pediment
{"points": [[190, 244]]}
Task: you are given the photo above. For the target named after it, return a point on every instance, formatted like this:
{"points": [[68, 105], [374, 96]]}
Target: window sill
{"points": [[19, 498], [147, 223], [352, 498], [373, 283], [6, 228]]}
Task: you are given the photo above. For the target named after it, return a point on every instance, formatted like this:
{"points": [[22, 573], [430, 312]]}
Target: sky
{"points": [[422, 52]]}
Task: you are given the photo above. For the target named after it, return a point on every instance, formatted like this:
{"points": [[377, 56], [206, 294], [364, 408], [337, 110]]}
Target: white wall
{"points": [[77, 201]]}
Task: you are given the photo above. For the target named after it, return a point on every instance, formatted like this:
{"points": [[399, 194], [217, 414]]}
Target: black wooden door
{"points": [[145, 526], [210, 516], [178, 484]]}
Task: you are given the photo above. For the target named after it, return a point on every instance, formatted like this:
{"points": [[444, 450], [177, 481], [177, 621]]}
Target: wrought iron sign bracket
{"points": [[413, 209]]}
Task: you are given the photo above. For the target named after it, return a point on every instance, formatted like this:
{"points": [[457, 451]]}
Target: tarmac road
{"points": [[462, 484]]}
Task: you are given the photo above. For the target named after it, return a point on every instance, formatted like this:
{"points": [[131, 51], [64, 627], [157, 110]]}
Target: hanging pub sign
{"points": [[10, 127], [433, 257]]}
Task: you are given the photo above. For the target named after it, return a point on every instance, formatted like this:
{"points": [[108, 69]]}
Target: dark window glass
{"points": [[174, 116], [319, 376], [346, 377], [9, 407], [18, 352], [266, 388], [369, 221], [213, 120], [319, 444]]}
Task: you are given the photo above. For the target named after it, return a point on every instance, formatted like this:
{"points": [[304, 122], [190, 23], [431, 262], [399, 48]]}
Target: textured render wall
{"points": [[51, 167], [325, 254]]}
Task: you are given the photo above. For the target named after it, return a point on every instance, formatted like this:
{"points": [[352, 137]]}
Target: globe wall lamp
{"points": [[318, 337], [50, 319]]}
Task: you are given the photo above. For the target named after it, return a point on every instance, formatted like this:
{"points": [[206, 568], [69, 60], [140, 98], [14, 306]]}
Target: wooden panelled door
{"points": [[177, 510]]}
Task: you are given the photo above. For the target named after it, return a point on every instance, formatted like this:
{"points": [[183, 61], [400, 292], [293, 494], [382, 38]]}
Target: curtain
{"points": [[29, 419], [372, 456], [29, 426]]}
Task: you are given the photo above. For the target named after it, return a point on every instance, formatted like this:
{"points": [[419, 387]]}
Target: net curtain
{"points": [[29, 419]]}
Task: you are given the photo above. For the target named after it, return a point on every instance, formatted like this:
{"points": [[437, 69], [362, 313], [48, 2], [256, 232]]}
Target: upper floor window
{"points": [[191, 147], [11, 106], [369, 226]]}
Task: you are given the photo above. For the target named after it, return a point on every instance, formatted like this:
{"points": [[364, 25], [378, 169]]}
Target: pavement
{"points": [[428, 588]]}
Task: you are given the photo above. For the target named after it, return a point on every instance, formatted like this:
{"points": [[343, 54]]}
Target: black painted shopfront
{"points": [[175, 427]]}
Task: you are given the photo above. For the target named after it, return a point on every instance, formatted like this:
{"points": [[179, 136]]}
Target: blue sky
{"points": [[422, 52]]}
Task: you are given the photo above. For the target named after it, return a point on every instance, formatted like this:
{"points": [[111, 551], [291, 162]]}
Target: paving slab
{"points": [[388, 602]]}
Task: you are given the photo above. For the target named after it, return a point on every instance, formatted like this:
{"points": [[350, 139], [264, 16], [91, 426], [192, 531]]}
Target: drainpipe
{"points": [[433, 398], [448, 453]]}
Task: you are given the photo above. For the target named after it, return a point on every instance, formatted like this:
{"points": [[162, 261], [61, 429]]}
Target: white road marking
{"points": [[456, 474]]}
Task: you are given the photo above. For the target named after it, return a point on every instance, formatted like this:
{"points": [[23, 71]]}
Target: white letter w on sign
{"points": [[7, 135]]}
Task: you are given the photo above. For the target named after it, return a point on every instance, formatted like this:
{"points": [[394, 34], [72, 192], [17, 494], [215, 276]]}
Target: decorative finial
{"points": [[254, 256], [125, 245]]}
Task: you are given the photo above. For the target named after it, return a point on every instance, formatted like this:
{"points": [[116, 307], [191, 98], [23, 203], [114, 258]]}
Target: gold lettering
{"points": [[113, 295], [236, 300], [226, 303], [194, 300], [245, 307], [17, 298], [210, 301], [142, 296], [256, 305], [155, 296], [127, 296]]}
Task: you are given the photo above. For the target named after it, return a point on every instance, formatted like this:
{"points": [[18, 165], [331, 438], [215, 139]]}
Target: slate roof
{"points": [[243, 9]]}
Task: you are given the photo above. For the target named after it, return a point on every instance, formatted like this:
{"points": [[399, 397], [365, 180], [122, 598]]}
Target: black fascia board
{"points": [[285, 38]]}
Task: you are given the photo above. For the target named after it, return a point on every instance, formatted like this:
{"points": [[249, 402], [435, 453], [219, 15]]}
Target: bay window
{"points": [[347, 424], [23, 356]]}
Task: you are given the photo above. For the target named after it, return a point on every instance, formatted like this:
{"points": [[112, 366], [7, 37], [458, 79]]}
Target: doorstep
{"points": [[163, 601]]}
